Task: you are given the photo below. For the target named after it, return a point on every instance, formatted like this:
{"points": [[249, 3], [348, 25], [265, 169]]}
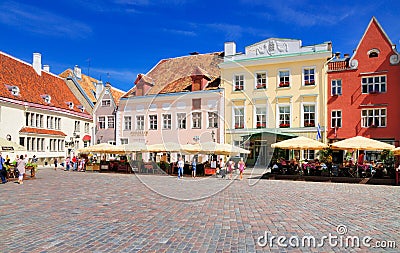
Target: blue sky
{"points": [[114, 40]]}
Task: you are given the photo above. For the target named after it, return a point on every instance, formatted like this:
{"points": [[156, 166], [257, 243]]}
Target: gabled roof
{"points": [[173, 75], [115, 93], [88, 85], [34, 88], [372, 22]]}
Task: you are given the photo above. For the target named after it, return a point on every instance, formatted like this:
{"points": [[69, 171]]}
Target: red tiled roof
{"points": [[168, 73], [33, 87], [41, 131]]}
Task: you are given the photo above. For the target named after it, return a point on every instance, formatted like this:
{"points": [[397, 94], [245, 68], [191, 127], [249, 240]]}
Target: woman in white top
{"points": [[21, 163]]}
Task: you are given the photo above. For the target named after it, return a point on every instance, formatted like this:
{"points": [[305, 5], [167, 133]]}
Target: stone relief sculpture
{"points": [[271, 47]]}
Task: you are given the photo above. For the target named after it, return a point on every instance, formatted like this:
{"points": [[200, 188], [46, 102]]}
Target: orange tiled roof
{"points": [[33, 87], [168, 73], [41, 131], [87, 83]]}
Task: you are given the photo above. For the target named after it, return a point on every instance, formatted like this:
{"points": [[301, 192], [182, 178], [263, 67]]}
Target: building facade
{"points": [[99, 100], [178, 101], [276, 88], [363, 90], [39, 111]]}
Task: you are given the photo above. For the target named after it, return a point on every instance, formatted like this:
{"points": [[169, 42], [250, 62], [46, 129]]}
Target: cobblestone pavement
{"points": [[94, 212]]}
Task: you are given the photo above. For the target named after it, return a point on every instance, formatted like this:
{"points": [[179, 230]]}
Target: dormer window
{"points": [[70, 105], [47, 98], [81, 108], [373, 53], [13, 89]]}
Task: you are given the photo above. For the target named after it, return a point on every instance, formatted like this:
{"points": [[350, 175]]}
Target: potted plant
{"points": [[284, 125], [309, 124], [309, 82], [261, 125], [284, 84], [261, 86]]}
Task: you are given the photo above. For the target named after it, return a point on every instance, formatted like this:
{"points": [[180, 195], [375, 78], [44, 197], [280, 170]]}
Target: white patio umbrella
{"points": [[361, 143], [104, 148], [300, 142]]}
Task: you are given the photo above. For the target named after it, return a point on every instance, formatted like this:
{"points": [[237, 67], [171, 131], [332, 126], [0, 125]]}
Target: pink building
{"points": [[179, 101]]}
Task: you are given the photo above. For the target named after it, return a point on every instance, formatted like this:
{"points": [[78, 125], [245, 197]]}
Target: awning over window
{"points": [[86, 138]]}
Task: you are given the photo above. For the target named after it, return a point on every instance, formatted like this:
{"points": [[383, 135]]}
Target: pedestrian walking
{"points": [[194, 168], [55, 163], [241, 167], [67, 163], [75, 163], [222, 169], [231, 167], [21, 163], [3, 170], [180, 167]]}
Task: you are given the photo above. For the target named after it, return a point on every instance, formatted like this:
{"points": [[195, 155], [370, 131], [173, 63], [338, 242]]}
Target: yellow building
{"points": [[276, 88]]}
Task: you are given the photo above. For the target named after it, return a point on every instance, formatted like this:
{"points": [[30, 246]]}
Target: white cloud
{"points": [[181, 32], [35, 20]]}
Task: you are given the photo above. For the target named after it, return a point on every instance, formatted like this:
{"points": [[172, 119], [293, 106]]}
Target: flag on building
{"points": [[319, 136]]}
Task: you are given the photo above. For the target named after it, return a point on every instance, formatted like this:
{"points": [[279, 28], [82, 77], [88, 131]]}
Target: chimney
{"points": [[46, 68], [77, 72], [230, 48], [37, 63], [99, 89], [337, 54]]}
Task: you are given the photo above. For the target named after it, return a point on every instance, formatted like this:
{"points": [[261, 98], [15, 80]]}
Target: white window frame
{"points": [[124, 141], [336, 118], [153, 125], [193, 118], [336, 86], [256, 114], [167, 121], [365, 119], [242, 116], [279, 78], [315, 113], [212, 121], [140, 124], [303, 81], [110, 119], [102, 123], [127, 123], [374, 84], [106, 103], [77, 127], [256, 80], [86, 127], [278, 114], [178, 125], [234, 82]]}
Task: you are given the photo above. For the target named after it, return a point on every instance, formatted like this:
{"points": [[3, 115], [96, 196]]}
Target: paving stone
{"points": [[94, 212]]}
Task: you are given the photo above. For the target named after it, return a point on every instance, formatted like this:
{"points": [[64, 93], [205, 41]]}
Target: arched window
{"points": [[373, 53]]}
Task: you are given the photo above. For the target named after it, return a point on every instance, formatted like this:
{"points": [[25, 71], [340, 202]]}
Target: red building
{"points": [[364, 90]]}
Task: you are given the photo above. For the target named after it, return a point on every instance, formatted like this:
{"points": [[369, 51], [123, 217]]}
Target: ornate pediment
{"points": [[271, 47]]}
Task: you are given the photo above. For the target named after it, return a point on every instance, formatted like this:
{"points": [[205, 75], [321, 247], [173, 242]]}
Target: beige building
{"points": [[276, 88]]}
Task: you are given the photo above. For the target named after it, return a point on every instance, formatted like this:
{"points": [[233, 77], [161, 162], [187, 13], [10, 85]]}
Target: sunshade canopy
{"points": [[134, 147], [102, 148], [362, 143], [300, 142], [396, 151]]}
